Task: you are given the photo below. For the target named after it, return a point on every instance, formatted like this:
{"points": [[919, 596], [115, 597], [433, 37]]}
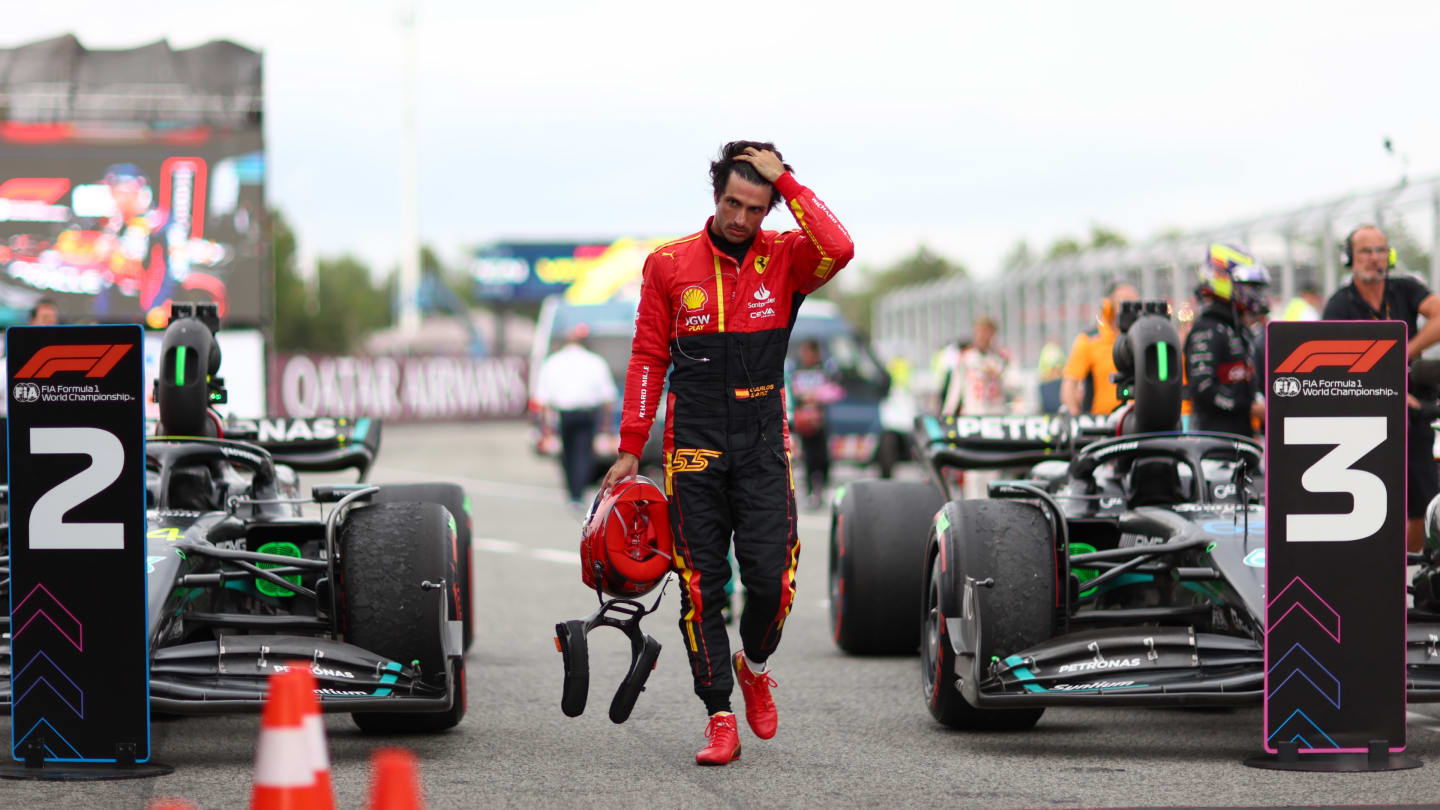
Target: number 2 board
{"points": [[79, 653]]}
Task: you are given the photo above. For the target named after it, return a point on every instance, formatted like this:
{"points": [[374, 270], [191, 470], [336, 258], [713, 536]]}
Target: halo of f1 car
{"points": [[1125, 568], [373, 596]]}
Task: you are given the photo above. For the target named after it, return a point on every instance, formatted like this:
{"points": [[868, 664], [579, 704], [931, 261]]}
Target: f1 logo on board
{"points": [[689, 460], [95, 359], [1359, 355]]}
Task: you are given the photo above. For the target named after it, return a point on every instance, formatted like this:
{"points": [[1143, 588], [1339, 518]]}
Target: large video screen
{"points": [[115, 230]]}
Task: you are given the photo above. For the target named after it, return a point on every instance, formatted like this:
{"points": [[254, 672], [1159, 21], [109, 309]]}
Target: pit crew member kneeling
{"points": [[716, 309]]}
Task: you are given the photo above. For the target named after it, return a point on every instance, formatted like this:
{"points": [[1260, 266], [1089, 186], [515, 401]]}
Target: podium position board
{"points": [[1335, 535], [79, 653]]}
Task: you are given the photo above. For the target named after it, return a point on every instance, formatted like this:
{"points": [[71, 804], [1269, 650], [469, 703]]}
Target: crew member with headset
{"points": [[1373, 294], [1087, 387], [1219, 352]]}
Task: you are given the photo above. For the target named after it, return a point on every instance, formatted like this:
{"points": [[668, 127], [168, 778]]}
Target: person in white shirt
{"points": [[576, 384], [981, 383], [980, 380]]}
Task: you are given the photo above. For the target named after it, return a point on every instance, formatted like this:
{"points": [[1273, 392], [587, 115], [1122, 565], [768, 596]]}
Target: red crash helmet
{"points": [[625, 542]]}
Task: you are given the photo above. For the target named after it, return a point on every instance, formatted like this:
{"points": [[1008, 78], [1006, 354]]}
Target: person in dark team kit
{"points": [[808, 386], [1219, 350], [1374, 294], [716, 310]]}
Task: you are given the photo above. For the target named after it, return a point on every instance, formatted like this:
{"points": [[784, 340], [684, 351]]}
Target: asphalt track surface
{"points": [[853, 731]]}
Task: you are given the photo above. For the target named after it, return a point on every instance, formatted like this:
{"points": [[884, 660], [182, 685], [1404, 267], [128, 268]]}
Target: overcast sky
{"points": [[961, 125]]}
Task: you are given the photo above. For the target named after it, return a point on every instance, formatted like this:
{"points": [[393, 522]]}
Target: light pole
{"points": [[410, 185]]}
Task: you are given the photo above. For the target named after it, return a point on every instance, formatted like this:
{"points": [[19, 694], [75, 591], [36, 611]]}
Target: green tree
{"points": [[919, 267], [1062, 247], [1019, 256], [1101, 237], [350, 305], [292, 317], [334, 314]]}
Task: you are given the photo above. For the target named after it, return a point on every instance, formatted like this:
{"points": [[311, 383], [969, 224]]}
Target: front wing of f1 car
{"points": [[194, 554], [1152, 655], [1154, 666], [230, 674]]}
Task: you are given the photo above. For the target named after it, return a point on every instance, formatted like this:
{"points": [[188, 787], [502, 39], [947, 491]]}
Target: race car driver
{"points": [[716, 310], [1219, 353]]}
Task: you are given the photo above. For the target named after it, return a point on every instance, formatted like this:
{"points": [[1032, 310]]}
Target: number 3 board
{"points": [[1335, 535], [79, 662]]}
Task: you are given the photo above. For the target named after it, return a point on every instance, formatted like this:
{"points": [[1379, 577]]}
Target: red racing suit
{"points": [[726, 328]]}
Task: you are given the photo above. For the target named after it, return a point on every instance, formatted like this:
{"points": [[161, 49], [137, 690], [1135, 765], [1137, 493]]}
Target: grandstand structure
{"points": [[1057, 299]]}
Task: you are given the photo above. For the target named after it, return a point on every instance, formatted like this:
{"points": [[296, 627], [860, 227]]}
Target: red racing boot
{"points": [[724, 735], [759, 706]]}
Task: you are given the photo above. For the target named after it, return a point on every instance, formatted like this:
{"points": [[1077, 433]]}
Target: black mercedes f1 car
{"points": [[366, 585], [1123, 566]]}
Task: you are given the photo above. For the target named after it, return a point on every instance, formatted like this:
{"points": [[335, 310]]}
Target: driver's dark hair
{"points": [[726, 163]]}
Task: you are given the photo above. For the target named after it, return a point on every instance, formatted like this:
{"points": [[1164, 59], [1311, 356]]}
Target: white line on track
{"points": [[480, 486], [1429, 722], [525, 492], [554, 555]]}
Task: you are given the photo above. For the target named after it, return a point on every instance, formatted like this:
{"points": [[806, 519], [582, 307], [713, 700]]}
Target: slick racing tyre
{"points": [[877, 557], [1009, 542], [386, 551], [452, 497]]}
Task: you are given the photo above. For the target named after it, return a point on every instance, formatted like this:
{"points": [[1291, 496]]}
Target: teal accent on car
{"points": [[932, 427], [1023, 673], [388, 677], [1211, 593], [1126, 579]]}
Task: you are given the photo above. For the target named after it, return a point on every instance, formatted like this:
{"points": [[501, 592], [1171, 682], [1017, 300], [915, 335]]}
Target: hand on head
{"points": [[764, 161]]}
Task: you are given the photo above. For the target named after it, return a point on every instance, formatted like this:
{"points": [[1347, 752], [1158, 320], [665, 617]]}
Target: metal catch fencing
{"points": [[1057, 299]]}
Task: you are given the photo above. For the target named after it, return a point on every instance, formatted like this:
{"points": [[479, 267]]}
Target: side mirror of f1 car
{"points": [[330, 493]]}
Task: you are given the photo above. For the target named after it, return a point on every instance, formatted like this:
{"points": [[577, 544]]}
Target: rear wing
{"points": [[993, 442], [317, 444]]}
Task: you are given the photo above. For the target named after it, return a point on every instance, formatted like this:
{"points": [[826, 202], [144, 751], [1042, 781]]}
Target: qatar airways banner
{"points": [[399, 389]]}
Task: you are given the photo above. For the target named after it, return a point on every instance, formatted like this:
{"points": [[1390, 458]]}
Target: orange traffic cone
{"points": [[394, 781], [314, 726], [284, 772]]}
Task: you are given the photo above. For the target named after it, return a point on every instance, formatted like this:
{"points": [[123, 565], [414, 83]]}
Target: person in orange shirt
{"points": [[1087, 387]]}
